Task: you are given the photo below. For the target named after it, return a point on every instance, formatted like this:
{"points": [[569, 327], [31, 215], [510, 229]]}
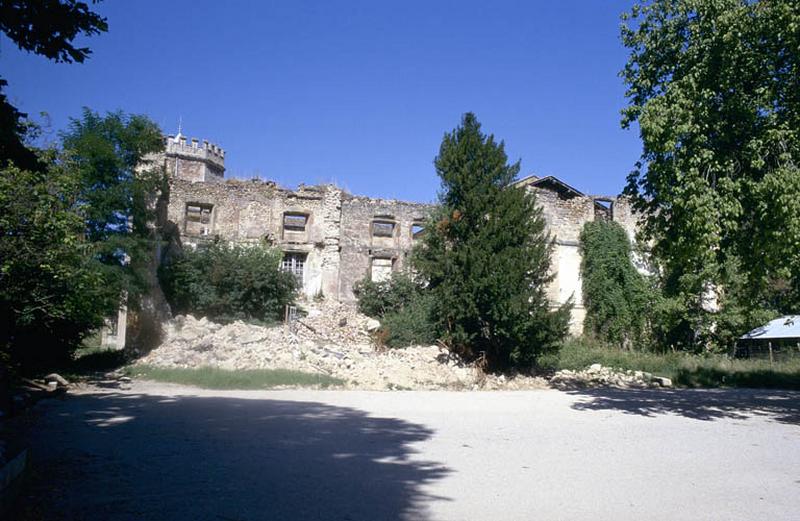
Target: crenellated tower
{"points": [[193, 160]]}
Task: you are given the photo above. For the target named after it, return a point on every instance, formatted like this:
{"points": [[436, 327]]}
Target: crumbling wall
{"points": [[255, 211], [565, 215], [365, 238], [332, 239]]}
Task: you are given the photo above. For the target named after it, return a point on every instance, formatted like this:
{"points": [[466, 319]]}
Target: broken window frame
{"points": [[603, 209], [392, 263]]}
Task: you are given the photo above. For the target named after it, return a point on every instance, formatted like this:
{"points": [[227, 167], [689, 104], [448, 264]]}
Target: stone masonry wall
{"points": [[341, 238], [360, 247]]}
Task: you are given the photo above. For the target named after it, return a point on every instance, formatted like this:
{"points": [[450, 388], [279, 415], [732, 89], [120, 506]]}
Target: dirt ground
{"points": [[164, 452]]}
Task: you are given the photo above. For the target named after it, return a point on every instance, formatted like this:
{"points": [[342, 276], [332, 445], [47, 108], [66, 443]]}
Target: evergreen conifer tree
{"points": [[486, 256]]}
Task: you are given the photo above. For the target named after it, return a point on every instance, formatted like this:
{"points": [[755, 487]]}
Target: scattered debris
{"points": [[59, 380], [597, 375]]}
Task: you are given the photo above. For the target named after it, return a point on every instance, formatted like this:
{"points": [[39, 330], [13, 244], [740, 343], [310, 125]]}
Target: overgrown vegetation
{"points": [[486, 256], [685, 369], [73, 236], [619, 301], [47, 28], [214, 378], [713, 86], [225, 281], [404, 308]]}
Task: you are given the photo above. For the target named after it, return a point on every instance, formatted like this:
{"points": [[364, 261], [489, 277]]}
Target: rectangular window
{"points": [[294, 263], [381, 269], [198, 218], [382, 229], [417, 231], [295, 222]]}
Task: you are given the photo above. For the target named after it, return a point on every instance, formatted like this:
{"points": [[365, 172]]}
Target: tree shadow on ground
{"points": [[698, 404], [126, 456]]}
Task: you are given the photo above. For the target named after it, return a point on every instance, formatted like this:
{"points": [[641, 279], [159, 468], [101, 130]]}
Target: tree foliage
{"points": [[404, 307], [73, 237], [486, 255], [109, 158], [53, 288], [618, 299], [47, 28], [227, 282], [714, 86]]}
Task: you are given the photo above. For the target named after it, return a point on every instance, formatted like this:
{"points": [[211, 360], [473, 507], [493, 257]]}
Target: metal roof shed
{"points": [[779, 335], [787, 327]]}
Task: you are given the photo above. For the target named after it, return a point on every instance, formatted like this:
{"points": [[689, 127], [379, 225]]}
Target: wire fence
{"points": [[779, 350]]}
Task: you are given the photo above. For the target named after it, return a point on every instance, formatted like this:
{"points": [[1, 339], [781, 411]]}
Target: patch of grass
{"points": [[684, 369], [214, 378]]}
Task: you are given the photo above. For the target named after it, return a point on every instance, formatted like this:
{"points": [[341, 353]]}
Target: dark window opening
{"points": [[382, 229], [295, 222], [603, 209]]}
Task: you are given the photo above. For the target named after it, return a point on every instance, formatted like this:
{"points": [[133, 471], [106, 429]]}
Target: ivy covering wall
{"points": [[618, 299]]}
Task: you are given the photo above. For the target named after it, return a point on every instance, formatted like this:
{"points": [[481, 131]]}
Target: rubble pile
{"points": [[334, 339], [331, 339], [597, 375]]}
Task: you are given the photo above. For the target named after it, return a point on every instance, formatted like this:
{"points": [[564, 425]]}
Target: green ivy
{"points": [[618, 299]]}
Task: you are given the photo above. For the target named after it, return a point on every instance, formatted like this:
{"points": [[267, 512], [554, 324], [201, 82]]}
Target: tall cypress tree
{"points": [[486, 256]]}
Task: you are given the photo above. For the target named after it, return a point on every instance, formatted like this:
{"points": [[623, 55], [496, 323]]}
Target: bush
{"points": [[404, 308], [376, 299], [228, 282], [410, 325]]}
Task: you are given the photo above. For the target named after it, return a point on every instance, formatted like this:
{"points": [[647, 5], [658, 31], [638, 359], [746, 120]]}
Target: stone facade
{"points": [[565, 211], [332, 239]]}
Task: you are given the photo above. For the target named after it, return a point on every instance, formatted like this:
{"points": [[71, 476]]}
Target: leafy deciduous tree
{"points": [[715, 88], [47, 28]]}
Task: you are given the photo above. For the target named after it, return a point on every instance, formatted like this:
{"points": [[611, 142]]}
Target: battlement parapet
{"points": [[194, 149]]}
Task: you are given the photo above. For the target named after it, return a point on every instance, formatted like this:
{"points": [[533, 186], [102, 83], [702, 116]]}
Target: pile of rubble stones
{"points": [[597, 375], [331, 339], [334, 339]]}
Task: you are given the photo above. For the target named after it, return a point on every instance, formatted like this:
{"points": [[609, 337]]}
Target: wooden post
{"points": [[769, 344]]}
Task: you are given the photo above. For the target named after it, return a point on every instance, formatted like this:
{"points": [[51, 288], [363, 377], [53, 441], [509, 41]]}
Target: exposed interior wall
{"points": [[366, 248]]}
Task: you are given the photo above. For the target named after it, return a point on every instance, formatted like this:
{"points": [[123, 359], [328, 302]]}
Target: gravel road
{"points": [[158, 451]]}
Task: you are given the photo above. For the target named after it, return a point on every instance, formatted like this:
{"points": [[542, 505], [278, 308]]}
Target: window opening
{"points": [[603, 209], [198, 218], [381, 269], [382, 229], [294, 263], [295, 222]]}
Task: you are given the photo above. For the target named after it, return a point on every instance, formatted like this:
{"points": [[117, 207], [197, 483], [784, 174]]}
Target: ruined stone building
{"points": [[331, 239]]}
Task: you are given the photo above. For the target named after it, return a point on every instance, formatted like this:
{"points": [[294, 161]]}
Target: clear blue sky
{"points": [[357, 92]]}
